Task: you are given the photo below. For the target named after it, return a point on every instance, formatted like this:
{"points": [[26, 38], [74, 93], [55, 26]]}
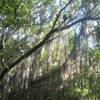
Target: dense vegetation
{"points": [[49, 50]]}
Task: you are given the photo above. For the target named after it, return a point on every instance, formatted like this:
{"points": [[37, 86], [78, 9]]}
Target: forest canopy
{"points": [[49, 49]]}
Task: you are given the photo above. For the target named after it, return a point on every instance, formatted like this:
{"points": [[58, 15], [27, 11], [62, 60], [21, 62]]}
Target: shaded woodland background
{"points": [[49, 50]]}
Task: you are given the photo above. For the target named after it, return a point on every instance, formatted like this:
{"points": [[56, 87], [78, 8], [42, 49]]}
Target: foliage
{"points": [[66, 67]]}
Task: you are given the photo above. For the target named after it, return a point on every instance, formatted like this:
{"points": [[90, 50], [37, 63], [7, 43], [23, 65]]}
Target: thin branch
{"points": [[87, 14], [58, 15], [53, 38]]}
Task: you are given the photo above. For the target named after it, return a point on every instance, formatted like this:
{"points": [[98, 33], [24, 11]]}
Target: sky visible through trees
{"points": [[49, 49]]}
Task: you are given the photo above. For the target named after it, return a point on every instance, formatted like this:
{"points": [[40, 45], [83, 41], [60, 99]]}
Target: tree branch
{"points": [[41, 43]]}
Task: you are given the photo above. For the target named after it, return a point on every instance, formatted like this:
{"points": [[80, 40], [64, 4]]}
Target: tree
{"points": [[37, 17]]}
